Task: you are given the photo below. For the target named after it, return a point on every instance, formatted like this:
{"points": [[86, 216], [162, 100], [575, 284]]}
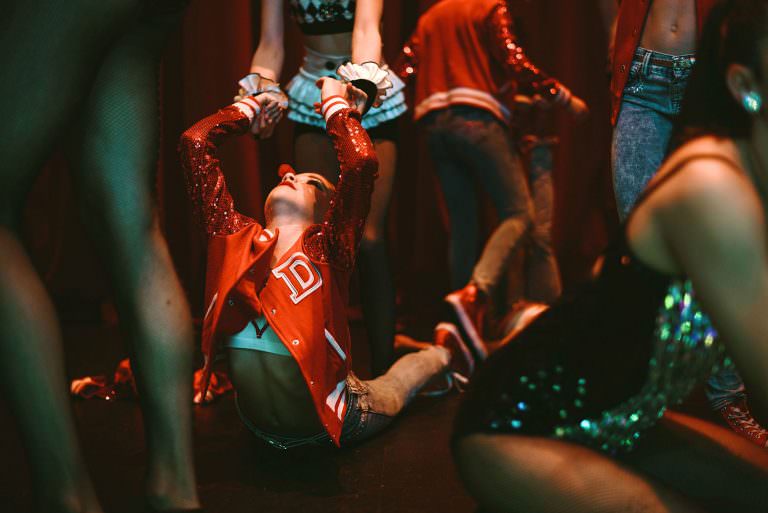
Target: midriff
{"points": [[330, 44], [670, 27], [272, 393]]}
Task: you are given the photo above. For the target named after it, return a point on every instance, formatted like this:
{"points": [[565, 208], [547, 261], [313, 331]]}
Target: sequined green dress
{"points": [[601, 366]]}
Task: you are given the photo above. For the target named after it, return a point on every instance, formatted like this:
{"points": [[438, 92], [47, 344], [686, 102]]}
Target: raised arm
{"points": [[407, 63], [268, 59], [505, 47], [366, 36], [528, 79], [336, 240], [212, 204]]}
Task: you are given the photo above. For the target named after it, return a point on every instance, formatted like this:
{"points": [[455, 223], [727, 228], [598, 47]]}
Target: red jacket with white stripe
{"points": [[465, 52], [304, 297]]}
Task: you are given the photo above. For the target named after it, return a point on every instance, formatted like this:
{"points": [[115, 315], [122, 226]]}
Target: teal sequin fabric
{"points": [[602, 365], [685, 349]]}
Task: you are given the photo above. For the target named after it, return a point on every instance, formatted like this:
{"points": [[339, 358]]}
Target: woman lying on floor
{"points": [[277, 295], [341, 39], [572, 415]]}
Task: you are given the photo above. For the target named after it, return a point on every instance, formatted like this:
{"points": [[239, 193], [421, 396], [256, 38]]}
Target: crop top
{"points": [[319, 17]]}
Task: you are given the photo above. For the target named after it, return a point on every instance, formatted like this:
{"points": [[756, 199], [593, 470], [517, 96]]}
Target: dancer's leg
{"points": [[377, 293], [314, 152], [35, 387], [114, 177], [458, 188], [683, 466], [499, 169], [638, 148], [542, 274], [51, 53]]}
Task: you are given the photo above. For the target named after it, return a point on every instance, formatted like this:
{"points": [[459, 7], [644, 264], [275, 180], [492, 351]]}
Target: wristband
{"points": [[332, 105], [249, 106], [254, 84], [369, 77]]}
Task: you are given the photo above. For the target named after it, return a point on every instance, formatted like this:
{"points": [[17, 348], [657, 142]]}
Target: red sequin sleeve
{"points": [[211, 201], [407, 63], [336, 240], [526, 77]]}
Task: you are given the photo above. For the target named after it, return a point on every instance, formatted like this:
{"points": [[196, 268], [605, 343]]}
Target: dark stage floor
{"points": [[406, 469]]}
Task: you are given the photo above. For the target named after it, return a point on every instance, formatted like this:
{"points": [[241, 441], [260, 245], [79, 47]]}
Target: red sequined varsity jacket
{"points": [[304, 297], [465, 52]]}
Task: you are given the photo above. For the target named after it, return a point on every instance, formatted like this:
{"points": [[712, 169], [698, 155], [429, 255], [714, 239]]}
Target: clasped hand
{"points": [[331, 87]]}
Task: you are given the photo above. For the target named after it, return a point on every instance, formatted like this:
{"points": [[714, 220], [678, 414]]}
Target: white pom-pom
{"points": [[367, 71]]}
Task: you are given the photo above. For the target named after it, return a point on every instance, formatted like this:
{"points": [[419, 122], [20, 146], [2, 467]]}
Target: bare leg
{"points": [[314, 152], [32, 375], [377, 294], [41, 40], [458, 188], [542, 273], [115, 177], [532, 474]]}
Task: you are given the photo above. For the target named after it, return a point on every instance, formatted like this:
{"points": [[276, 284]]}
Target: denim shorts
{"points": [[359, 422]]}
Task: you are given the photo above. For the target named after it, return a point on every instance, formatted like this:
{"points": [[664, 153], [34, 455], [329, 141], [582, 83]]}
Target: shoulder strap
{"points": [[680, 165]]}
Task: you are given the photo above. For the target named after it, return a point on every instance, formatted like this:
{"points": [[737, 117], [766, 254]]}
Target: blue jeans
{"points": [[652, 98], [469, 146]]}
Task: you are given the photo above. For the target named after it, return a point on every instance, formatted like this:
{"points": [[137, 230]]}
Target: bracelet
{"points": [[332, 105], [249, 106], [369, 77], [254, 83]]}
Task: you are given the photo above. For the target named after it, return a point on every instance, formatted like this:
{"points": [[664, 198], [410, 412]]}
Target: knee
{"points": [[522, 218], [541, 238]]}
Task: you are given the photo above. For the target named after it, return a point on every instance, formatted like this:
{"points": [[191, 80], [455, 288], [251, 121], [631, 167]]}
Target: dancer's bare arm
{"points": [[366, 35], [268, 59], [714, 229]]}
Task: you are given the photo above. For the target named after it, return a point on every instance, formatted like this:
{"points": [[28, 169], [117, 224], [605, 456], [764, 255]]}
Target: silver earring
{"points": [[752, 101]]}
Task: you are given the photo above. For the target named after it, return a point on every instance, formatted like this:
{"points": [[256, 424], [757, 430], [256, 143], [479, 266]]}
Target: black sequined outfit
{"points": [[602, 365]]}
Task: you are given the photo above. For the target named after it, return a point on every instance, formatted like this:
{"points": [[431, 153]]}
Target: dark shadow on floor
{"points": [[408, 469]]}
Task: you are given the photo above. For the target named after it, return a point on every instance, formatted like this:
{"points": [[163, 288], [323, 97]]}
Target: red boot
{"points": [[740, 420], [462, 362], [471, 305]]}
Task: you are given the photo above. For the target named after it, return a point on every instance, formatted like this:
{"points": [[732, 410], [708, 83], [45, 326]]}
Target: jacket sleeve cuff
{"points": [[332, 105], [249, 107]]}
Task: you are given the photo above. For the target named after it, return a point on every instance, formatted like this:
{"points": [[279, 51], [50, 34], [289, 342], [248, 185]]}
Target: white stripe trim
{"points": [[249, 107], [333, 397], [340, 407], [333, 107], [330, 101], [335, 345], [210, 307], [462, 95]]}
